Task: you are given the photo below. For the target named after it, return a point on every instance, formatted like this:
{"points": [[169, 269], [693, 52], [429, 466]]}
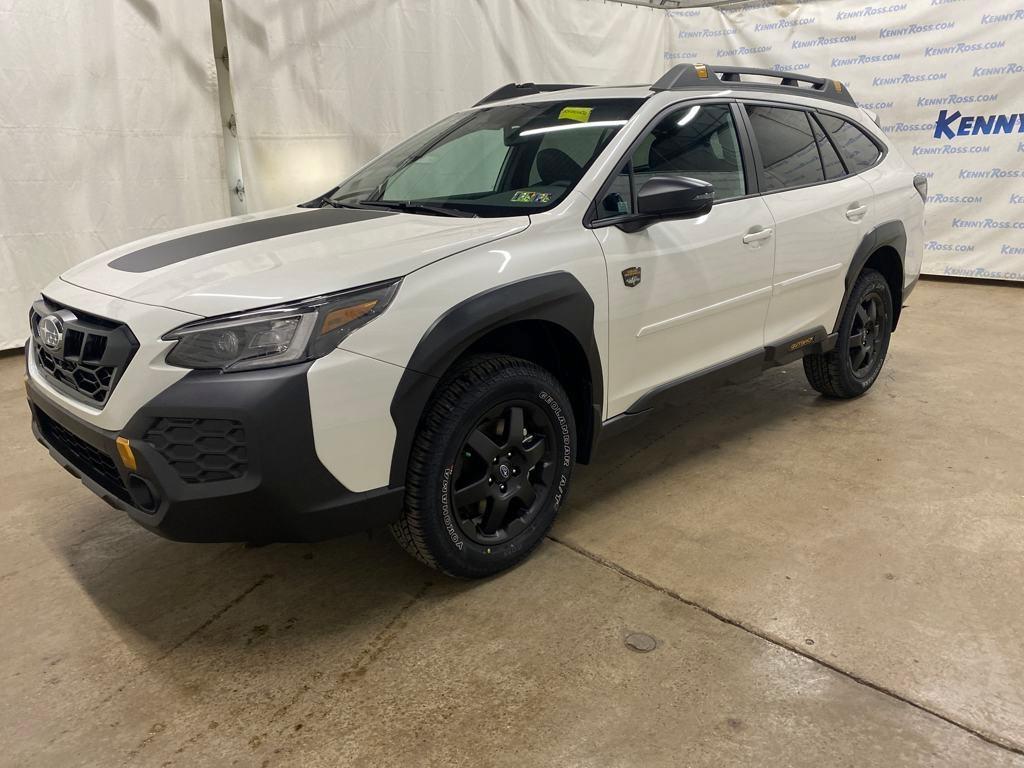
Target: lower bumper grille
{"points": [[88, 460], [201, 450]]}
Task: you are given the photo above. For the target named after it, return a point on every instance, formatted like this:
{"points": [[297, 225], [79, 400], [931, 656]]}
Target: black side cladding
{"points": [[201, 243], [892, 234], [556, 297]]}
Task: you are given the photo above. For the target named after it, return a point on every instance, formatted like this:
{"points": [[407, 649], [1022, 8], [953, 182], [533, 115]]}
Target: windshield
{"points": [[497, 161]]}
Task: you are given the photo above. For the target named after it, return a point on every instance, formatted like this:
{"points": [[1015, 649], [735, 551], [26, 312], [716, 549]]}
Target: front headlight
{"points": [[279, 335]]}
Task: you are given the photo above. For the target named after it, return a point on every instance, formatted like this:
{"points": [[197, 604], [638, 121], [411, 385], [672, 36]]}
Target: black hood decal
{"points": [[201, 243]]}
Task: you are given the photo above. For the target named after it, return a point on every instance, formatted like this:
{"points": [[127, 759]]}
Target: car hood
{"points": [[281, 255]]}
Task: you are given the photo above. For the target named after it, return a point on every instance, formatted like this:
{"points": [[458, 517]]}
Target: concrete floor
{"points": [[829, 584]]}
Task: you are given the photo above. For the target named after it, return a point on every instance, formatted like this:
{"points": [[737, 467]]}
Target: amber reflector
{"points": [[124, 450]]}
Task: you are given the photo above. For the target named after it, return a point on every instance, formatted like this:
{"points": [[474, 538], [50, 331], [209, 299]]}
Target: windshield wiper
{"points": [[409, 206], [337, 204]]}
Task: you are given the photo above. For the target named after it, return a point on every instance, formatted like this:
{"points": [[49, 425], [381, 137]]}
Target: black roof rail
{"points": [[703, 76], [515, 90]]}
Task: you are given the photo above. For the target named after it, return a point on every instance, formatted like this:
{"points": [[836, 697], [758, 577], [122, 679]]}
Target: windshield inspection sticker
{"points": [[531, 197], [579, 114]]}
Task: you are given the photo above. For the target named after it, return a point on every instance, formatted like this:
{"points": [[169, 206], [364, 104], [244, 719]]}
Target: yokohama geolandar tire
{"points": [[489, 468], [865, 328]]}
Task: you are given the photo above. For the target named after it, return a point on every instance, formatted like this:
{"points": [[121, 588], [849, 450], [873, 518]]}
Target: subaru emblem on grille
{"points": [[51, 332]]}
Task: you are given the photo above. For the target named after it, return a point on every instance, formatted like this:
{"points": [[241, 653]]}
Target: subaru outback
{"points": [[436, 342]]}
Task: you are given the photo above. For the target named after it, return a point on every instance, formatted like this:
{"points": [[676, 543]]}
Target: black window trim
{"points": [[813, 111], [816, 121], [811, 122], [592, 220]]}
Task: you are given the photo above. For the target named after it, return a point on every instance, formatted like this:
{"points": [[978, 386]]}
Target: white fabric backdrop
{"points": [[109, 131], [322, 87]]}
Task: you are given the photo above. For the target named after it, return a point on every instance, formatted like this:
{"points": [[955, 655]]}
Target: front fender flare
{"points": [[556, 297]]}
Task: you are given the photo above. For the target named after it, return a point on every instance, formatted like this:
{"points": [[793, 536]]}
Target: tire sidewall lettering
{"points": [[566, 455], [446, 509]]}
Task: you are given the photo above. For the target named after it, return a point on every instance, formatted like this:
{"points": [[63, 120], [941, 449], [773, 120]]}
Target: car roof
{"points": [[583, 92], [688, 79]]}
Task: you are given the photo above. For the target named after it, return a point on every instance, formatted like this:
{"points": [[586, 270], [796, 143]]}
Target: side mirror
{"points": [[671, 197]]}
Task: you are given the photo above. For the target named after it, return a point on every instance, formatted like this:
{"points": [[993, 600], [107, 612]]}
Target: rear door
{"points": [[819, 211]]}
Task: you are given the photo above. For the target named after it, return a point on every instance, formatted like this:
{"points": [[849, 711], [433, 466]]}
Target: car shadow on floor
{"points": [[674, 439], [159, 594]]}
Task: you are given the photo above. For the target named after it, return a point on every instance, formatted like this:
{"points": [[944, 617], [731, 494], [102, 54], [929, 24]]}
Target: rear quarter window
{"points": [[859, 152]]}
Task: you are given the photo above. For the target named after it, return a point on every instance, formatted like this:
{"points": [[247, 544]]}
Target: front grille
{"points": [[83, 355], [201, 450], [88, 460]]}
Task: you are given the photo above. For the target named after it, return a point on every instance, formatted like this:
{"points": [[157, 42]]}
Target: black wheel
{"points": [[852, 367], [489, 468]]}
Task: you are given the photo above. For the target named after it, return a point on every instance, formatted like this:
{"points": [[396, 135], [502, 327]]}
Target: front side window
{"points": [[857, 149], [496, 161], [697, 141], [789, 153]]}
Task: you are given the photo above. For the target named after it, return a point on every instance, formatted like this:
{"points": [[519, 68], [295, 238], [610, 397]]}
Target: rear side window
{"points": [[789, 153], [859, 152], [829, 157]]}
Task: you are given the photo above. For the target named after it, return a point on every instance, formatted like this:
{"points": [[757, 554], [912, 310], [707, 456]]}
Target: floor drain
{"points": [[640, 642]]}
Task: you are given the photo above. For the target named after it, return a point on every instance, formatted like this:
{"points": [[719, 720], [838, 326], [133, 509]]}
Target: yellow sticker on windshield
{"points": [[579, 114]]}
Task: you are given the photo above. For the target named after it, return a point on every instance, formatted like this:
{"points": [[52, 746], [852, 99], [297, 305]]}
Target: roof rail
{"points": [[703, 76], [515, 90]]}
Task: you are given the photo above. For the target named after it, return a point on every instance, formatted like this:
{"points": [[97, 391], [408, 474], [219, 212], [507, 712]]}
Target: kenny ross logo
{"points": [[953, 124]]}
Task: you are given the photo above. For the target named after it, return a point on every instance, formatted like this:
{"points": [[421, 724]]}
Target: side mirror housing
{"points": [[671, 197]]}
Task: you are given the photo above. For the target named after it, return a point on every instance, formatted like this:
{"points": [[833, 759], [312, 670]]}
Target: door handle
{"points": [[857, 213], [756, 237]]}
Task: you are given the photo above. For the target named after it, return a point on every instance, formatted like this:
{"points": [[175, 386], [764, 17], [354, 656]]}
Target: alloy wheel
{"points": [[867, 335], [503, 474]]}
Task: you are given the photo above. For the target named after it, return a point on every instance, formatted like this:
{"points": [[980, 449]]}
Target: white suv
{"points": [[435, 343]]}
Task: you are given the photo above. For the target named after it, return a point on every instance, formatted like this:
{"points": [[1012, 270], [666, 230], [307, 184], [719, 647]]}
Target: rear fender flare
{"points": [[892, 234]]}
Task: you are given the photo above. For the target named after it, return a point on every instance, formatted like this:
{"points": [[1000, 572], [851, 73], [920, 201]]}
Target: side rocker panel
{"points": [[556, 297]]}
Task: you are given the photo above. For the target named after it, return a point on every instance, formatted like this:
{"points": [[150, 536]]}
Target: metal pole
{"points": [[229, 123]]}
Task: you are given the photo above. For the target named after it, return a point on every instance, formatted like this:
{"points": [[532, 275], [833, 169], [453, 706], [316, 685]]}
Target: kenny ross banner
{"points": [[946, 78]]}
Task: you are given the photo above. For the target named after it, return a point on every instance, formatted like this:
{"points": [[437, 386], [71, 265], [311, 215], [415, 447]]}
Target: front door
{"points": [[685, 295]]}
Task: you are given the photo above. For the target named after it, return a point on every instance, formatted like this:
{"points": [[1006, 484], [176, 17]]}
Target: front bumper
{"points": [[276, 488]]}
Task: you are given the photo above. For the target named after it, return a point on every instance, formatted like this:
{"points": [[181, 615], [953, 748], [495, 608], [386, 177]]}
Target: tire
{"points": [[864, 332], [489, 469]]}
